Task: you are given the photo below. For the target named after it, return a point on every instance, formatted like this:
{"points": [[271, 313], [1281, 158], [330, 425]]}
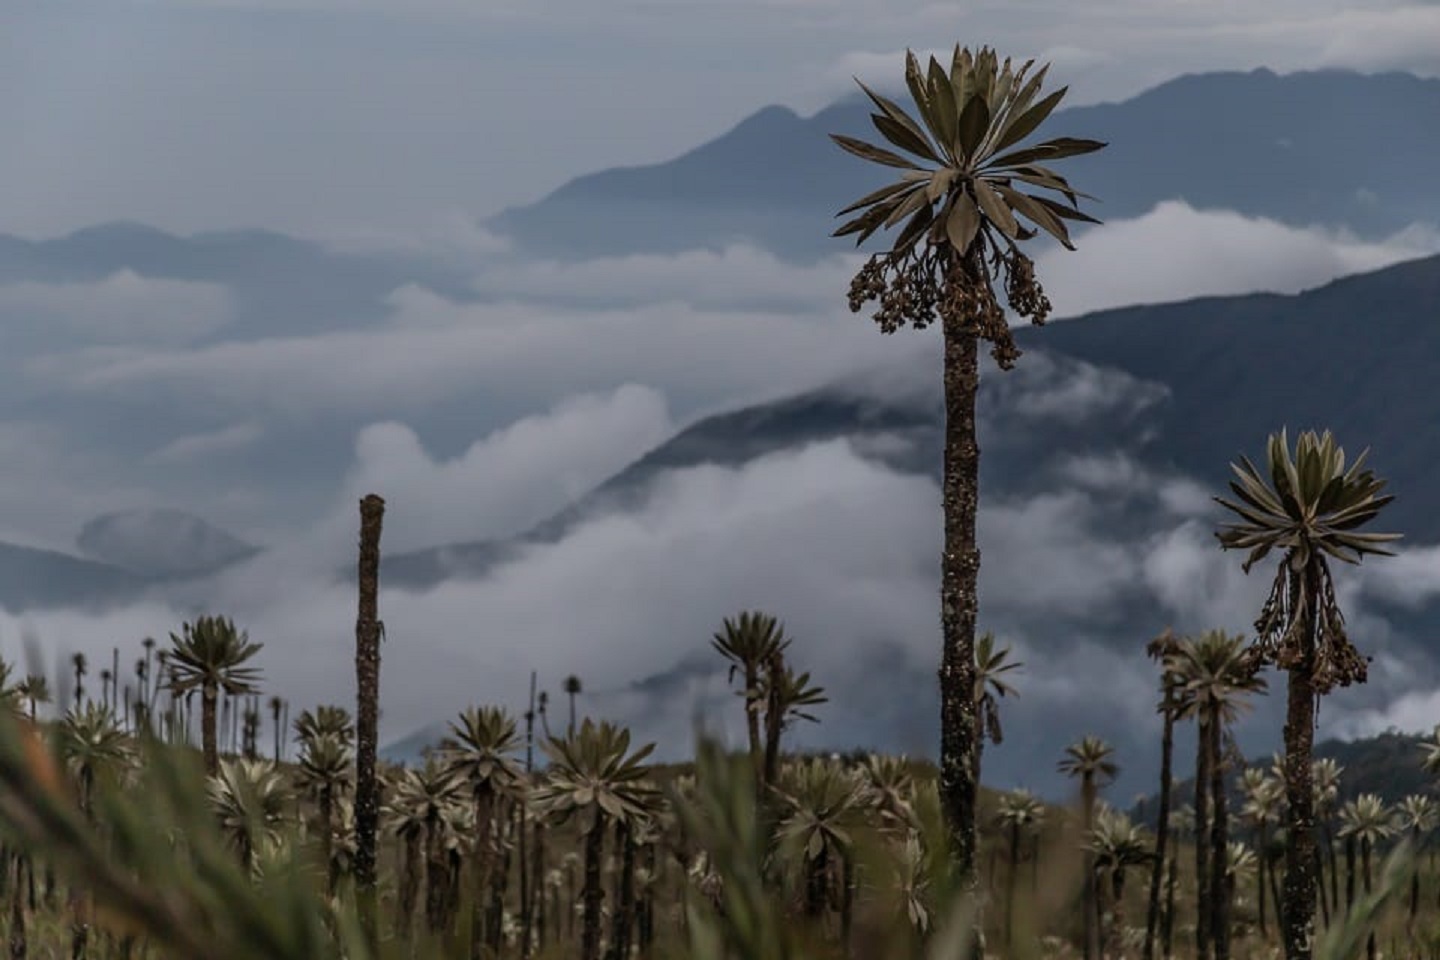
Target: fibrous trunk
{"points": [[959, 579], [816, 870], [1167, 922], [1116, 938], [327, 819], [499, 884], [19, 946], [537, 889], [367, 681], [1162, 832], [623, 919], [437, 879], [754, 704], [1219, 843], [410, 880], [1203, 918], [1010, 885], [1264, 844], [1365, 859], [593, 895], [480, 868], [1090, 903], [1298, 892], [208, 735]]}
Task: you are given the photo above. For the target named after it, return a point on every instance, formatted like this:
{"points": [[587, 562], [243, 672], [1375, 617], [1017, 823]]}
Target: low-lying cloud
{"points": [[706, 328], [210, 443], [1176, 252], [739, 276], [123, 308], [510, 480]]}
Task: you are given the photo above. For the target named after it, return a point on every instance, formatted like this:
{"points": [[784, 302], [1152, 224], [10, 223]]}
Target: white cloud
{"points": [[455, 238], [1067, 680], [1412, 712], [1176, 252], [122, 308], [738, 276], [1410, 579], [196, 446], [1081, 393], [1044, 556], [510, 480], [1115, 472], [1198, 584], [1400, 37], [433, 350], [1119, 473]]}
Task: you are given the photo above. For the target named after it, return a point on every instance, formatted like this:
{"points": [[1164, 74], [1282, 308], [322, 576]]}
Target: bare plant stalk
{"points": [[367, 680]]}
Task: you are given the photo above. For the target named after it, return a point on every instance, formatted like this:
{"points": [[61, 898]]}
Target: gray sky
{"points": [[348, 117]]}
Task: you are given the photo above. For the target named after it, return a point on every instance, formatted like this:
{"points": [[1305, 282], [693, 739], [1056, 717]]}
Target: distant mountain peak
{"points": [[160, 543], [775, 179], [772, 114]]}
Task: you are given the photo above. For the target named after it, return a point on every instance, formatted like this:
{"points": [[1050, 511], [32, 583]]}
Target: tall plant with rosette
{"points": [[211, 655], [962, 200], [1311, 507], [594, 775]]}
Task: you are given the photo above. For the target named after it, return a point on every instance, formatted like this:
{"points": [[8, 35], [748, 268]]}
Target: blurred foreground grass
{"points": [[149, 872]]}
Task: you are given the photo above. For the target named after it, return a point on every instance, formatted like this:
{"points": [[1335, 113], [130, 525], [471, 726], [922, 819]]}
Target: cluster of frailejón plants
{"points": [[120, 840], [118, 844]]}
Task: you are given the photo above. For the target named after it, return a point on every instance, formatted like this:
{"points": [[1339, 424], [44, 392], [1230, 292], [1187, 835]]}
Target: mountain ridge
{"points": [[776, 179]]}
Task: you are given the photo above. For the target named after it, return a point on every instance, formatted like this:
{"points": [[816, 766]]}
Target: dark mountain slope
{"points": [[31, 578], [1387, 764], [1358, 356]]}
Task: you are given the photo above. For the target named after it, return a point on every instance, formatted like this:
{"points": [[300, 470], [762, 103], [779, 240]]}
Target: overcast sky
{"points": [[345, 117]]}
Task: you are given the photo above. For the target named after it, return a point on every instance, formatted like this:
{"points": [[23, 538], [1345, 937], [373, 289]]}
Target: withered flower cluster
{"points": [[1286, 633], [930, 282]]}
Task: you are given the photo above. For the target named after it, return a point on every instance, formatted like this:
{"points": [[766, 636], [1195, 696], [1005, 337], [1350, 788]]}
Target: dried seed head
{"points": [[924, 284]]}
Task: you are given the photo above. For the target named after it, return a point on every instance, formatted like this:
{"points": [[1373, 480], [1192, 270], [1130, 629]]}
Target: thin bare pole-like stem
{"points": [[367, 679]]}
